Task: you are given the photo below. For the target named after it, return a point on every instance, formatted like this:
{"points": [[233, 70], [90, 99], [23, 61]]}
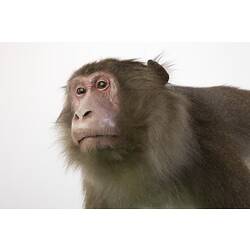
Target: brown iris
{"points": [[102, 85], [80, 91]]}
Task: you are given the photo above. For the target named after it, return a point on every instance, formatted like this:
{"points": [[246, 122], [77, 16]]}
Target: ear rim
{"points": [[159, 69]]}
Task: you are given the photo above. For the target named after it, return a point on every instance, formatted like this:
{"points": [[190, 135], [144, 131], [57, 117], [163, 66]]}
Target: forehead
{"points": [[91, 77]]}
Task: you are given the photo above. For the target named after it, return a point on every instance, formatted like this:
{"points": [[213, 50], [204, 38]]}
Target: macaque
{"points": [[142, 142]]}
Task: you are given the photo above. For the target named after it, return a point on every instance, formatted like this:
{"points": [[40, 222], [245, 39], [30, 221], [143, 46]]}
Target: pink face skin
{"points": [[94, 102]]}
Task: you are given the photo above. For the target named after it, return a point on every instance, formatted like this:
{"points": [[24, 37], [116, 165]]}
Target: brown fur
{"points": [[180, 147]]}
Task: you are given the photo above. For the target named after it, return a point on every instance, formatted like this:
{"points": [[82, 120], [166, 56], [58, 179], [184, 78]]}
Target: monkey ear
{"points": [[160, 70]]}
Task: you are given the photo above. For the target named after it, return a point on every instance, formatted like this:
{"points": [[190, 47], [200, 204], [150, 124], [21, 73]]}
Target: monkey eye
{"points": [[80, 91], [102, 85]]}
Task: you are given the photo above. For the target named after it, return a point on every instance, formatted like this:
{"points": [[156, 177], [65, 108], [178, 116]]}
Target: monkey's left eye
{"points": [[102, 85]]}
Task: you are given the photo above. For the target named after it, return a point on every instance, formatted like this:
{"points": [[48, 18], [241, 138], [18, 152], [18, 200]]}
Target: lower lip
{"points": [[96, 137]]}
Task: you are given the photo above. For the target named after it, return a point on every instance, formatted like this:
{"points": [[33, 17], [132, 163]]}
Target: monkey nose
{"points": [[81, 116]]}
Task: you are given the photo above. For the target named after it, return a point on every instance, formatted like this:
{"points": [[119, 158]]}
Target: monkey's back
{"points": [[220, 118], [224, 108]]}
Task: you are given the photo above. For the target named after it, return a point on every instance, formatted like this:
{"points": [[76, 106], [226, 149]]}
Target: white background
{"points": [[32, 169], [127, 21]]}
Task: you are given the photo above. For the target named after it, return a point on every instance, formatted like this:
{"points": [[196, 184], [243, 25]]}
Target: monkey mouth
{"points": [[95, 137]]}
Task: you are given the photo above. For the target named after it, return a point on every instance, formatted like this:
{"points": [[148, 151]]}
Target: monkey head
{"points": [[109, 104]]}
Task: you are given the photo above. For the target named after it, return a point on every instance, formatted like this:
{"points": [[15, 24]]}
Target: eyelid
{"points": [[103, 79], [100, 79]]}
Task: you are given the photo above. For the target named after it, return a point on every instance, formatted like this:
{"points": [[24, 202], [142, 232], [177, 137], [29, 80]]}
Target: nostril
{"points": [[76, 117], [87, 113]]}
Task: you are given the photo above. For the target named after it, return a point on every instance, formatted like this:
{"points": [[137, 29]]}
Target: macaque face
{"points": [[94, 103]]}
